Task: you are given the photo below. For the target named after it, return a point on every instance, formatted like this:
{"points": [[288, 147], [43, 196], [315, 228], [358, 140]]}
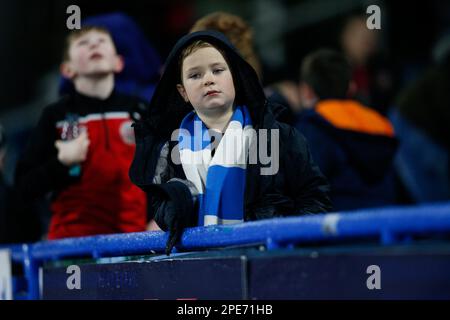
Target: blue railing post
{"points": [[31, 268]]}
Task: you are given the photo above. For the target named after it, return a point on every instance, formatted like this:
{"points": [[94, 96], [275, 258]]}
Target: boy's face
{"points": [[92, 54], [207, 81]]}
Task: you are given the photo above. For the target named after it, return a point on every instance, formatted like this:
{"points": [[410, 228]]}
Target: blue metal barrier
{"points": [[387, 224]]}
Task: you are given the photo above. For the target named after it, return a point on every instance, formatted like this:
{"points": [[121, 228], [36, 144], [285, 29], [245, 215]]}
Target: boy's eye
{"points": [[217, 71], [194, 76], [82, 42]]}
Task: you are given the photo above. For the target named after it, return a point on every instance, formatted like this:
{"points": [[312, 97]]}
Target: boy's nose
{"points": [[94, 44], [209, 79]]}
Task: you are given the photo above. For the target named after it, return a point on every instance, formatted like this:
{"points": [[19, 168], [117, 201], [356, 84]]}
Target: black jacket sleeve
{"points": [[146, 155], [38, 170], [174, 205], [171, 203], [298, 188], [308, 186]]}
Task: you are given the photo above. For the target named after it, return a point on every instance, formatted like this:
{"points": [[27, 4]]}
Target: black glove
{"points": [[176, 211]]}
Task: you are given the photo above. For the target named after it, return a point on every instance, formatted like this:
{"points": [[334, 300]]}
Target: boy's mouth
{"points": [[96, 56], [212, 93]]}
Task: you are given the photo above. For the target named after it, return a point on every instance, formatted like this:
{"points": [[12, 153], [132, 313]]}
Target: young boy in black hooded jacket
{"points": [[202, 152]]}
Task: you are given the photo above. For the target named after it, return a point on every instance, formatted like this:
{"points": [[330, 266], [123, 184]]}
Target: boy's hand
{"points": [[153, 226], [175, 210], [74, 151]]}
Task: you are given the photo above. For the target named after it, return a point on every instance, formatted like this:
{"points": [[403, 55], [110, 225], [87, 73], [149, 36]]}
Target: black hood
{"points": [[167, 107]]}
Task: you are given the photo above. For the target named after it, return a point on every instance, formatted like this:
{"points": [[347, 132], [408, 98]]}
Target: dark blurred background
{"points": [[285, 31]]}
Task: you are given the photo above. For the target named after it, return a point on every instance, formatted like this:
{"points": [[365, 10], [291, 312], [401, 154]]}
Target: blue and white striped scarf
{"points": [[220, 179]]}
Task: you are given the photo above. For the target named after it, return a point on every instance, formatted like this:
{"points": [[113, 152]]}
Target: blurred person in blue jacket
{"points": [[421, 117], [3, 187], [353, 144]]}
